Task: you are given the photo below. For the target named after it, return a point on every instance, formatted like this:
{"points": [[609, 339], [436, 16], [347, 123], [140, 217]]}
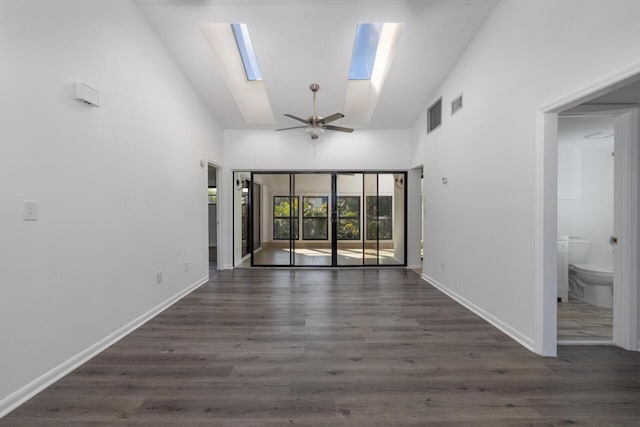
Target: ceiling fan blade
{"points": [[332, 118], [338, 128], [297, 118], [295, 127]]}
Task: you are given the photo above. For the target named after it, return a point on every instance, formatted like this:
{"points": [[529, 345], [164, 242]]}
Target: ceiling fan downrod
{"points": [[314, 88]]}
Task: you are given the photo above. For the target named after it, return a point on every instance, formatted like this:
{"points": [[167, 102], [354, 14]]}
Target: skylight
{"points": [[365, 47], [248, 55]]}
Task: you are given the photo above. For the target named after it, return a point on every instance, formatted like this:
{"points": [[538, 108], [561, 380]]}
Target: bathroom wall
{"points": [[585, 185]]}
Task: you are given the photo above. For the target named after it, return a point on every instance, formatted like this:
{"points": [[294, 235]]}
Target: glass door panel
{"points": [[389, 218], [313, 190], [349, 219], [323, 219], [370, 204], [276, 219]]}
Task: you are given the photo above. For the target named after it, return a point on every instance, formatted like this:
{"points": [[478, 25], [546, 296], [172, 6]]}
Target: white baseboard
{"points": [[415, 267], [23, 394], [586, 342], [522, 339]]}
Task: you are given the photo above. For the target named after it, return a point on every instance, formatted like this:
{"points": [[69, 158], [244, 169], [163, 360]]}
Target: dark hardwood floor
{"points": [[333, 348]]}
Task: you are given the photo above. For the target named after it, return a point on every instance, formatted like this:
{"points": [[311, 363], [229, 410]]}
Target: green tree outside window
{"points": [[283, 214], [348, 227], [379, 217]]}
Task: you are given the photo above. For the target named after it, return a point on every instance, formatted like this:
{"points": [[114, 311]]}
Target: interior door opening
{"points": [[586, 259], [619, 100], [212, 216]]}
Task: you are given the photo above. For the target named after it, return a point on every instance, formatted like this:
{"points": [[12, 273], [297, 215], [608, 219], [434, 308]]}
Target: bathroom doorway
{"points": [[617, 96], [586, 242]]}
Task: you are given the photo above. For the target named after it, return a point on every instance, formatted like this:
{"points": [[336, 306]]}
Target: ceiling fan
{"points": [[316, 125]]}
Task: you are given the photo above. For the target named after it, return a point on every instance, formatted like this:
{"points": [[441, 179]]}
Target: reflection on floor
{"points": [[309, 257], [578, 320]]}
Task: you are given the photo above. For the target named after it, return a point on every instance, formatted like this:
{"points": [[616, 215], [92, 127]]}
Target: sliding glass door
{"points": [[279, 219], [314, 192], [323, 219]]}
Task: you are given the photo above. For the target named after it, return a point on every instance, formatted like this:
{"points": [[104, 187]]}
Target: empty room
{"points": [[269, 212]]}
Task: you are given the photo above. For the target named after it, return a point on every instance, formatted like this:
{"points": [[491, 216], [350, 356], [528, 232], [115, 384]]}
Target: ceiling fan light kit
{"points": [[316, 125]]}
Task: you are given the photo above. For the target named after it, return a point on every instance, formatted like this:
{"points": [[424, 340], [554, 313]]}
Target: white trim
{"points": [[545, 247], [593, 90], [586, 342], [522, 339], [625, 288], [23, 394]]}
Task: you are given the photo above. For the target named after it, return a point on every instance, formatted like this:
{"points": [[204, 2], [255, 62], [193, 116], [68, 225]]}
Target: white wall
{"points": [[479, 228], [590, 214], [120, 191]]}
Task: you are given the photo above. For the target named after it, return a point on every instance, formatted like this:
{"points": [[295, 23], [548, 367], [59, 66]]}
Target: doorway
{"points": [[328, 219], [212, 216], [585, 228], [619, 97]]}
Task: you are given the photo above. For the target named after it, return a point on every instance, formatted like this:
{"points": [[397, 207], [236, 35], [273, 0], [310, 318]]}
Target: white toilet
{"points": [[590, 283]]}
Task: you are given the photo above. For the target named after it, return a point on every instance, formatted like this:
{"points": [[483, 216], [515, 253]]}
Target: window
{"points": [[379, 218], [315, 224], [212, 195], [348, 217], [434, 115], [365, 47], [283, 214], [247, 53]]}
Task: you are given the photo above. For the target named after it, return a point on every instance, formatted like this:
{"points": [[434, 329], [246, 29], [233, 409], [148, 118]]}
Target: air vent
{"points": [[456, 105], [434, 115]]}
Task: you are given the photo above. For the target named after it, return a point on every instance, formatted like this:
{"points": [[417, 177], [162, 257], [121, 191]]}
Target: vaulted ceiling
{"points": [[302, 42]]}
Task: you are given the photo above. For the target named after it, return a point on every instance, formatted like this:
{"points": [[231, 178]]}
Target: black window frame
{"points": [[295, 218]]}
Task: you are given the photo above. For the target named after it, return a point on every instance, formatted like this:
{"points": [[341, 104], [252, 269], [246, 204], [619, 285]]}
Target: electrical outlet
{"points": [[159, 277], [186, 266]]}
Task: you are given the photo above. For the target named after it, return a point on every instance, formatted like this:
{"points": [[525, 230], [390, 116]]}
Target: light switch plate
{"points": [[30, 210]]}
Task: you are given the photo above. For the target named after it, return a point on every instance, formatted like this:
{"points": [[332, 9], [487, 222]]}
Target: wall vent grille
{"points": [[434, 115], [456, 105]]}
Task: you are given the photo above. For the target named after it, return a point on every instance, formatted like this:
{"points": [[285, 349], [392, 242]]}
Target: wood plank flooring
{"points": [[333, 348], [315, 257], [578, 320]]}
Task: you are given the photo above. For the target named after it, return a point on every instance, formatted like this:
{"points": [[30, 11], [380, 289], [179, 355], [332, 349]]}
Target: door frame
{"points": [[625, 332], [332, 215]]}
